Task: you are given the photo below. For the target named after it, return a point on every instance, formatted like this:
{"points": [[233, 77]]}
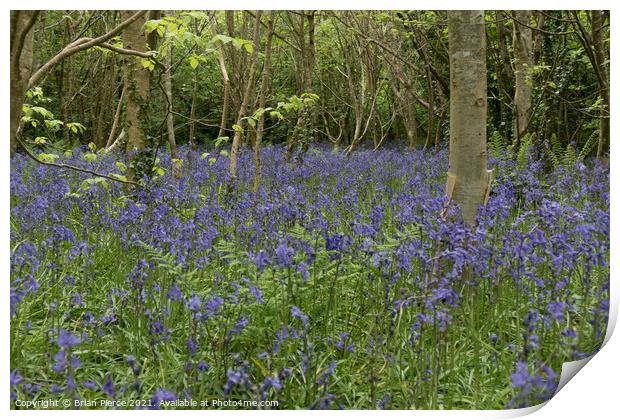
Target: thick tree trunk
{"points": [[22, 33], [522, 46], [468, 177], [137, 80]]}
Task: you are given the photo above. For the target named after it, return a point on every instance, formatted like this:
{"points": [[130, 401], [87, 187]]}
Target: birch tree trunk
{"points": [[468, 177], [522, 46]]}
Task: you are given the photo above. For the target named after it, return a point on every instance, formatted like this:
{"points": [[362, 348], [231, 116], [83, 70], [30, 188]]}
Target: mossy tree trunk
{"points": [[137, 81]]}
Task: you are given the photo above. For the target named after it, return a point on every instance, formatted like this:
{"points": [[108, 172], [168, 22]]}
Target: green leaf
{"points": [[248, 47], [88, 182], [193, 62], [237, 128], [220, 140], [276, 114], [121, 166], [90, 157], [148, 64], [40, 140], [153, 25], [42, 112], [222, 38], [118, 176], [76, 127], [224, 152], [53, 125], [47, 157], [212, 160]]}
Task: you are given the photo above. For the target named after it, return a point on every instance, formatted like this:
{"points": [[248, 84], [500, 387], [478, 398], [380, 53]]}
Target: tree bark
{"points": [[307, 58], [522, 46], [172, 142], [226, 81], [117, 117], [234, 152], [137, 80], [601, 56], [264, 88], [468, 177], [22, 34]]}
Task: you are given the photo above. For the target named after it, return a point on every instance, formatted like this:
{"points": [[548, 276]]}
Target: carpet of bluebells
{"points": [[345, 282]]}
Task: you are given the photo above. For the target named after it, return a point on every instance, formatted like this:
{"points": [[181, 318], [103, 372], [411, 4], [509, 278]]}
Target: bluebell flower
{"points": [[297, 313], [284, 255], [67, 340], [108, 386]]}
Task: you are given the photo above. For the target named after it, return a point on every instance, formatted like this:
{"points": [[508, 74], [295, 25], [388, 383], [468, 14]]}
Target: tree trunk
{"points": [[522, 46], [137, 80], [103, 102], [599, 52], [468, 177], [264, 87], [505, 80], [234, 152], [226, 81], [172, 142], [22, 34], [117, 117], [307, 57]]}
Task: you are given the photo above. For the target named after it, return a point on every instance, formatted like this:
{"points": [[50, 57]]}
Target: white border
{"points": [[592, 395]]}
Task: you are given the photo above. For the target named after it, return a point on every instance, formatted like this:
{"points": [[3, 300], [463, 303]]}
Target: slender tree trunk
{"points": [[117, 117], [522, 46], [226, 81], [264, 88], [468, 177], [234, 153], [600, 55], [505, 79], [137, 80], [192, 111], [431, 107], [307, 54], [22, 34], [172, 142], [104, 102]]}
